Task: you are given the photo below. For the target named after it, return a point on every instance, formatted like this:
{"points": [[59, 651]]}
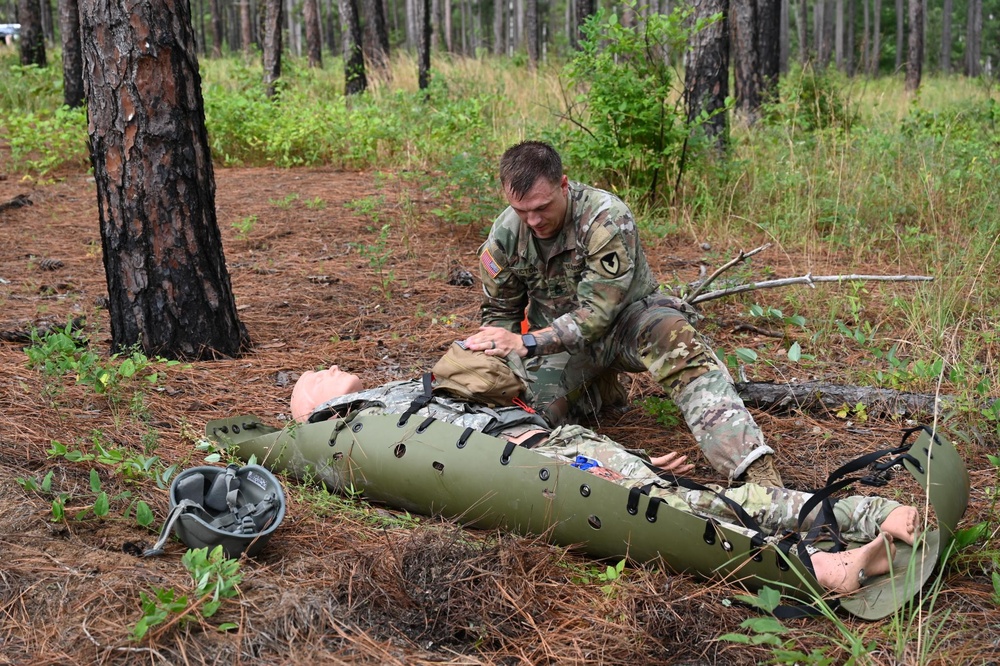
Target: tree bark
{"points": [[743, 24], [355, 81], [32, 35], [707, 71], [272, 45], [217, 36], [584, 10], [531, 32], [946, 13], [915, 46], [498, 23], [246, 36], [803, 15], [973, 37], [424, 44], [768, 42], [838, 34], [72, 54], [876, 37], [900, 32], [849, 52], [819, 397], [784, 46], [314, 37], [168, 287], [376, 37]]}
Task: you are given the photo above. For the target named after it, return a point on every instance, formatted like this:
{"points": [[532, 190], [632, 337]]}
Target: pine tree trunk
{"points": [[849, 52], [72, 54], [246, 36], [314, 39], [838, 34], [584, 10], [376, 38], [32, 36], [498, 23], [706, 73], [168, 287], [973, 38], [217, 36], [915, 45], [784, 46], [803, 15], [865, 40], [531, 32], [768, 41], [355, 81], [743, 23], [876, 37], [424, 44], [272, 45], [946, 37], [900, 33]]}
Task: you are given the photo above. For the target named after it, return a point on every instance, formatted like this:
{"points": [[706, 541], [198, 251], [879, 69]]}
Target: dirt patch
{"points": [[316, 284]]}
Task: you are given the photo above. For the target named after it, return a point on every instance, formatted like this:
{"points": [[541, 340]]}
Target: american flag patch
{"points": [[490, 264]]}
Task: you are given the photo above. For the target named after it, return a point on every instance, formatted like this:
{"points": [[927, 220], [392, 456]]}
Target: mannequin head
{"points": [[314, 388]]}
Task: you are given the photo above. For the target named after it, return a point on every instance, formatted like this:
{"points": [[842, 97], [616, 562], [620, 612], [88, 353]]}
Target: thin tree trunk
{"points": [[424, 45], [584, 10], [768, 45], [72, 55], [838, 34], [849, 52], [32, 35], [743, 24], [448, 36], [706, 73], [946, 37], [498, 23], [900, 33], [272, 45], [245, 34], [216, 8], [531, 32], [973, 38], [866, 66], [803, 15], [314, 40], [355, 81], [376, 38], [784, 47], [876, 37], [168, 287], [915, 46]]}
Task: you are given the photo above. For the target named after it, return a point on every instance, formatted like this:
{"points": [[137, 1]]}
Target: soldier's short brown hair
{"points": [[526, 162]]}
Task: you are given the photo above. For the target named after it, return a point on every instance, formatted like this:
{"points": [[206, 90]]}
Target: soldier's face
{"points": [[543, 208]]}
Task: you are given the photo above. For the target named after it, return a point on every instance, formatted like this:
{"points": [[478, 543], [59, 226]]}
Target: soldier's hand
{"points": [[672, 462]]}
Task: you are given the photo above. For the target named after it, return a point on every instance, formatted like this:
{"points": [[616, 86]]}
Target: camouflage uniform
{"points": [[775, 509], [592, 284]]}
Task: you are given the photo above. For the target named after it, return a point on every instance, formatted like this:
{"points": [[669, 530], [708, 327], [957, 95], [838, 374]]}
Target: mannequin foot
{"points": [[846, 572]]}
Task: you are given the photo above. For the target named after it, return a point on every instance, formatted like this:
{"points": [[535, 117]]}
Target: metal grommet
{"points": [[338, 455], [727, 546], [225, 430], [651, 517], [585, 490], [504, 460], [543, 474], [594, 522], [236, 430], [439, 466], [632, 510], [357, 427], [400, 450]]}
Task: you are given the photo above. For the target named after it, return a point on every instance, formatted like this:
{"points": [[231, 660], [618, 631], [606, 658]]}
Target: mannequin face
{"points": [[314, 388]]}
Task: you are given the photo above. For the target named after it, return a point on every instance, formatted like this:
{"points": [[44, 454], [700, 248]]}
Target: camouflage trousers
{"points": [[650, 335], [775, 509]]}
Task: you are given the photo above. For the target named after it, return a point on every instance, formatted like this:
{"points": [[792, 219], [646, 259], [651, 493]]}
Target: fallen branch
{"points": [[19, 201], [808, 279], [823, 397], [692, 297]]}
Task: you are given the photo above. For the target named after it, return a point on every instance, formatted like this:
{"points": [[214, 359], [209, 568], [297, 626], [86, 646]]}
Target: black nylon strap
{"points": [[534, 440], [419, 402]]}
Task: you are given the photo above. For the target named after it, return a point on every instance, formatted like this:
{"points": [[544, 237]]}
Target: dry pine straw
{"points": [[342, 586]]}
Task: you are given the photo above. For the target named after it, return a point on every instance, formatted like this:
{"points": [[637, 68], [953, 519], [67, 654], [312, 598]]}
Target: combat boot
{"points": [[763, 472]]}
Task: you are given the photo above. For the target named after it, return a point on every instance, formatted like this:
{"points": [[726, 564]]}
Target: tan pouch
{"points": [[475, 376]]}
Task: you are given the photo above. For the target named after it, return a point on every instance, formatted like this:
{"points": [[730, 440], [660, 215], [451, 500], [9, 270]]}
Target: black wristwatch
{"points": [[528, 340]]}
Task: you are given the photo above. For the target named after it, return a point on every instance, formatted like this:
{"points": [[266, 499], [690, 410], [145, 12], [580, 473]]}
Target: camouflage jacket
{"points": [[595, 268]]}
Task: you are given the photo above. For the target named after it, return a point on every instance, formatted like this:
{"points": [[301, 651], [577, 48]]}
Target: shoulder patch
{"points": [[611, 264], [489, 264]]}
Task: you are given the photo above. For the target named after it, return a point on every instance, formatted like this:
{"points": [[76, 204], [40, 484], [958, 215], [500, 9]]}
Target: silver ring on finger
{"points": [[494, 343]]}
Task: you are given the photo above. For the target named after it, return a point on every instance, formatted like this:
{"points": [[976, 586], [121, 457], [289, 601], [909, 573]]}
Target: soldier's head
{"points": [[535, 186], [315, 388]]}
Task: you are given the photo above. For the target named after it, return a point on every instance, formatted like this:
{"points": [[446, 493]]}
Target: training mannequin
{"points": [[875, 521]]}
